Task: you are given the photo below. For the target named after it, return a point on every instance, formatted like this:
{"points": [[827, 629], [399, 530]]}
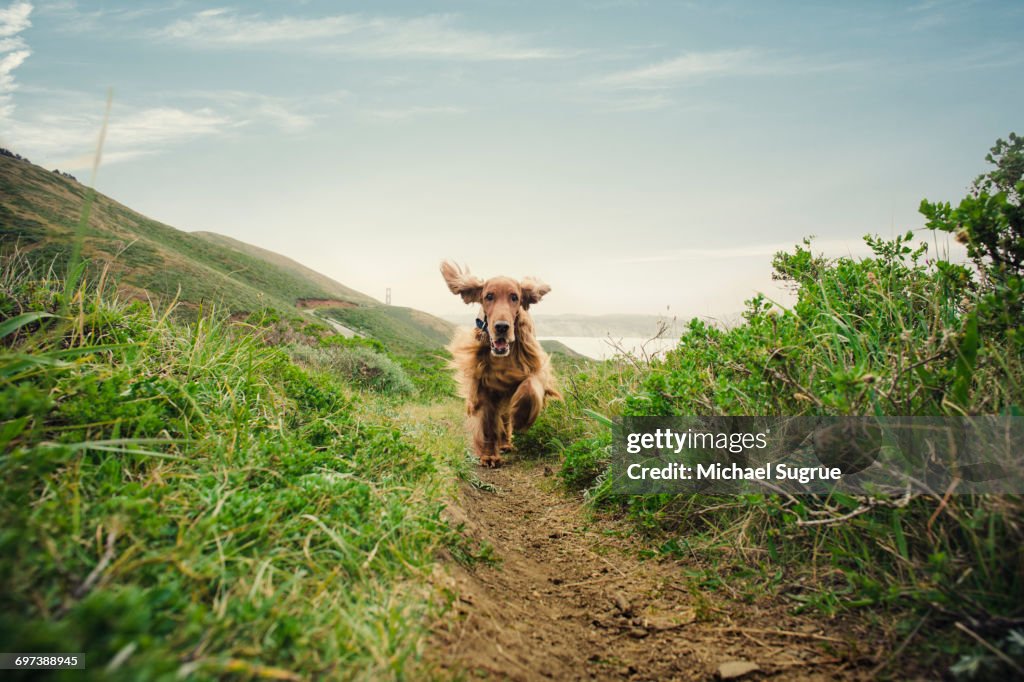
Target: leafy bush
{"points": [[883, 335], [585, 460], [990, 222], [426, 369], [430, 372]]}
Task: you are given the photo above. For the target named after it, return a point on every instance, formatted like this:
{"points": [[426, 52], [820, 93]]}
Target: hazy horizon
{"points": [[641, 157]]}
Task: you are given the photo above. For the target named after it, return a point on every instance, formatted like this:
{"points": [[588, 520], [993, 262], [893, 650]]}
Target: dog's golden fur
{"points": [[501, 370]]}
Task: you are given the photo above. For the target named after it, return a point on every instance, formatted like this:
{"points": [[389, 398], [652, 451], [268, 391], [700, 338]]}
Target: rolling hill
{"points": [[334, 290], [40, 212]]}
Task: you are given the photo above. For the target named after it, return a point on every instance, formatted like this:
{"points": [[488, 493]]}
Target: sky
{"points": [[641, 157]]}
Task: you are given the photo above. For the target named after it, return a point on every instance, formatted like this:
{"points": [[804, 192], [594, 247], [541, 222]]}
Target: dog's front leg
{"points": [[527, 403], [504, 428], [485, 437]]}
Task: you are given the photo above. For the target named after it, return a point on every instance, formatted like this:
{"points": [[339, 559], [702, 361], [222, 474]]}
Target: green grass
{"points": [[183, 499]]}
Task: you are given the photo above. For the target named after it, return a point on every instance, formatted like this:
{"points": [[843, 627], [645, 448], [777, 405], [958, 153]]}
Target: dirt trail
{"points": [[569, 599]]}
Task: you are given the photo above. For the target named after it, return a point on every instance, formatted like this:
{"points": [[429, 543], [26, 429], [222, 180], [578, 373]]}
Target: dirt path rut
{"points": [[569, 599]]}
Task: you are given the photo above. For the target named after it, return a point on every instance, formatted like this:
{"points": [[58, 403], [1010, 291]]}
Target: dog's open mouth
{"points": [[500, 347]]}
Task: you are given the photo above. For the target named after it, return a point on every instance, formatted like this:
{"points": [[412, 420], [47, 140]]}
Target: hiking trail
{"points": [[568, 597]]}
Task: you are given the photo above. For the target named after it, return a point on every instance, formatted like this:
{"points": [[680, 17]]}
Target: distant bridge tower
{"points": [[387, 297]]}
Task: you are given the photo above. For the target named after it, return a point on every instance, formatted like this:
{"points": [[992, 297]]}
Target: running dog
{"points": [[501, 369]]}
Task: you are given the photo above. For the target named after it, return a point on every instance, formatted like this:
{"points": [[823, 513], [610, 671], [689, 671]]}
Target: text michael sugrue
{"points": [[667, 439]]}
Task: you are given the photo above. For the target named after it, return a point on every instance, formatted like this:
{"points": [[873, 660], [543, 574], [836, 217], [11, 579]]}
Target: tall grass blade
{"points": [[15, 323], [75, 265]]}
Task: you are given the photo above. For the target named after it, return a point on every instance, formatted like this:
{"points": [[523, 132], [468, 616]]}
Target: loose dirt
{"points": [[569, 598]]}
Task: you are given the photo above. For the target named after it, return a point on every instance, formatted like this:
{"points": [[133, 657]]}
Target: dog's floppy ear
{"points": [[533, 291], [461, 283]]}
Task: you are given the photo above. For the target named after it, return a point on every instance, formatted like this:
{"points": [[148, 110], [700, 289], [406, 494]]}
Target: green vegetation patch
{"points": [[184, 500], [413, 339]]}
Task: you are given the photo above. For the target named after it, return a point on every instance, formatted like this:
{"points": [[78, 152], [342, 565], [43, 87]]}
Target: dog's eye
{"points": [[515, 298], [489, 297]]}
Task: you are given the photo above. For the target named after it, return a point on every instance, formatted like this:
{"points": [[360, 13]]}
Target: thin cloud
{"points": [[68, 17], [413, 112], [681, 69], [68, 140], [285, 114], [693, 67], [643, 103], [989, 57], [934, 13], [13, 51], [932, 5], [434, 36]]}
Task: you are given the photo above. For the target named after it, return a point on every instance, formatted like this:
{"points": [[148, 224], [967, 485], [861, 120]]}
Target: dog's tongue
{"points": [[500, 344]]}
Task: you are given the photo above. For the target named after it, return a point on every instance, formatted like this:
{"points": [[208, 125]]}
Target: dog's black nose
{"points": [[501, 327]]}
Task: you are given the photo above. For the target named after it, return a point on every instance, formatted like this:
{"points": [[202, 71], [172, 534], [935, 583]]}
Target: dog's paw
{"points": [[490, 461]]}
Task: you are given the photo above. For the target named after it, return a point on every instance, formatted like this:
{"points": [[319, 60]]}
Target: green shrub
{"points": [[339, 341], [842, 349], [584, 461], [430, 372], [884, 335], [360, 365], [990, 223]]}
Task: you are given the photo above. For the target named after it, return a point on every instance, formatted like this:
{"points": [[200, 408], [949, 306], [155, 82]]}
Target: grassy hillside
{"points": [[40, 211], [333, 289]]}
